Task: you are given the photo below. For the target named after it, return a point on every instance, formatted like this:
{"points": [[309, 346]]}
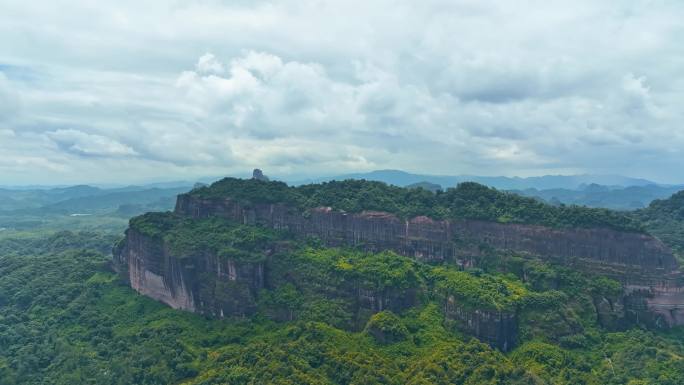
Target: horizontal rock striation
{"points": [[200, 283], [497, 328], [220, 287], [435, 241], [639, 261]]}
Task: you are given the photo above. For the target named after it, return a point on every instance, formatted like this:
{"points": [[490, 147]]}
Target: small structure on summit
{"points": [[259, 175]]}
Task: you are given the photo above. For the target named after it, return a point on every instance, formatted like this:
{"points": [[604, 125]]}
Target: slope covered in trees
{"points": [[664, 218], [467, 201], [66, 319]]}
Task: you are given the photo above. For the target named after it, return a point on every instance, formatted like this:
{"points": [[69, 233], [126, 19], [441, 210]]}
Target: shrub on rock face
{"points": [[386, 328]]}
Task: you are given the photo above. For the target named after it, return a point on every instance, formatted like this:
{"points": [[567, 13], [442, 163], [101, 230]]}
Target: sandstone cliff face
{"points": [[656, 306], [206, 284], [203, 283], [200, 283], [498, 329], [392, 299], [435, 241], [637, 260]]}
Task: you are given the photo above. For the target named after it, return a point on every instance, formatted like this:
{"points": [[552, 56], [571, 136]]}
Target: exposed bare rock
{"points": [[635, 259], [499, 329], [259, 175], [206, 284], [201, 283], [432, 240]]}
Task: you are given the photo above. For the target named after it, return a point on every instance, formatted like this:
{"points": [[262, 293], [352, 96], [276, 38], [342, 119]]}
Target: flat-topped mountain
{"points": [[228, 244], [403, 178], [467, 201]]}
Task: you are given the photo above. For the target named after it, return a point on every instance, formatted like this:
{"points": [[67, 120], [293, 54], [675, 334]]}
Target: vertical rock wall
{"points": [[431, 240], [639, 261], [205, 284], [497, 328], [200, 283]]}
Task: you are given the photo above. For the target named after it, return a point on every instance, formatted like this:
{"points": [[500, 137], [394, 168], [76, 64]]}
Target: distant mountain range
{"points": [[402, 178], [88, 199], [609, 191], [616, 198]]}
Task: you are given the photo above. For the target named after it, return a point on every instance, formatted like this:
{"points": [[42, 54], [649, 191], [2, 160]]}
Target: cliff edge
{"points": [[215, 278]]}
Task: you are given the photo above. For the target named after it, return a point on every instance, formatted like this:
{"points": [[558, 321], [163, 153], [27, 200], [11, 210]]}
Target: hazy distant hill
{"points": [[12, 199], [402, 178], [426, 185], [155, 198], [610, 191], [86, 199], [618, 198]]}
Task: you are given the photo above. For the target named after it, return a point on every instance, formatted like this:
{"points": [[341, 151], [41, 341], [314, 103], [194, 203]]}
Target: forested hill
{"points": [[65, 319], [468, 200], [664, 218]]}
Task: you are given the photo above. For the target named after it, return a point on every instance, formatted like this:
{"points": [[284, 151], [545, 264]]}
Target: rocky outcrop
{"points": [[610, 312], [201, 283], [259, 175], [206, 284], [657, 306], [454, 241], [497, 328], [639, 261]]}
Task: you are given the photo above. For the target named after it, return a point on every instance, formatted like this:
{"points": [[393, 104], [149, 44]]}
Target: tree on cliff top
{"points": [[664, 218], [468, 200]]}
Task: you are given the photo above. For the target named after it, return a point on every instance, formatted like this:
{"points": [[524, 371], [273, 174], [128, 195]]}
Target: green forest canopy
{"points": [[664, 218], [467, 201], [65, 319]]}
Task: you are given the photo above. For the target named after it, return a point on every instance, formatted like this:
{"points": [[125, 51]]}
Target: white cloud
{"points": [[207, 64], [263, 64], [206, 88], [88, 144], [262, 94], [9, 103]]}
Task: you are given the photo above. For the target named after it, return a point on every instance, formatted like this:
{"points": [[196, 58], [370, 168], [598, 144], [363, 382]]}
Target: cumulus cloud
{"points": [[264, 96], [209, 88], [207, 64], [82, 143], [9, 103]]}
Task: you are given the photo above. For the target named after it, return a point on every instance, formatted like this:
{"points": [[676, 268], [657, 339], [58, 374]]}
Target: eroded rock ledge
{"points": [[206, 284], [430, 240], [641, 262]]}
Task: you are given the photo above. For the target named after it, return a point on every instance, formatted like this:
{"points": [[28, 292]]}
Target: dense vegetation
{"points": [[665, 219], [65, 319], [186, 237], [609, 197], [468, 200], [483, 292], [27, 212]]}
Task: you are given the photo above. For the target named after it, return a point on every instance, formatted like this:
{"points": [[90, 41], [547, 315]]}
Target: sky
{"points": [[135, 91]]}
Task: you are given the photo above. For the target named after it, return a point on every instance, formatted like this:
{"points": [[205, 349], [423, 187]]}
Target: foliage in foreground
{"points": [[64, 319]]}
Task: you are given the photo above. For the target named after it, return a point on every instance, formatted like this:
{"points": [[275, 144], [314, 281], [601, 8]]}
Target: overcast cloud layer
{"points": [[141, 90]]}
